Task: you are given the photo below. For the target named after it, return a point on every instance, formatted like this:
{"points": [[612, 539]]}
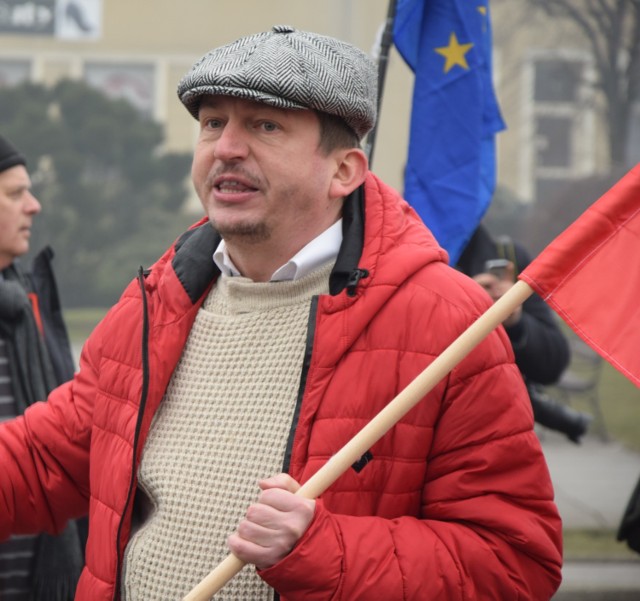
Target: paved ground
{"points": [[593, 482], [592, 580]]}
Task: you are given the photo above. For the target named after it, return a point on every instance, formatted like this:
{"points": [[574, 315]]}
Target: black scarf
{"points": [[59, 559], [31, 371]]}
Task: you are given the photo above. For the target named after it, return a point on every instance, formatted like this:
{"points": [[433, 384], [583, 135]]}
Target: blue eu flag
{"points": [[450, 170]]}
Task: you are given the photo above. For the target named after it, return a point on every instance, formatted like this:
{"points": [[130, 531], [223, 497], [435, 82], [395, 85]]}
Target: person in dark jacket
{"points": [[35, 357], [541, 349]]}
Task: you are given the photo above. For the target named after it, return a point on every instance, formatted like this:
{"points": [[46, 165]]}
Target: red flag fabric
{"points": [[590, 275]]}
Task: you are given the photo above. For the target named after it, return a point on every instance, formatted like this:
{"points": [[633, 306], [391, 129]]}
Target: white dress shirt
{"points": [[321, 249]]}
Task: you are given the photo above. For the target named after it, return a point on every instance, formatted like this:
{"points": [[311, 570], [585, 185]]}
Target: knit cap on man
{"points": [[9, 155], [289, 69]]}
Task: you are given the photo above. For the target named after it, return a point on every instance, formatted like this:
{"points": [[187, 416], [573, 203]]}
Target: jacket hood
{"points": [[397, 243]]}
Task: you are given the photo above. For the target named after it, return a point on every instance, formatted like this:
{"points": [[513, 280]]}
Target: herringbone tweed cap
{"points": [[291, 69]]}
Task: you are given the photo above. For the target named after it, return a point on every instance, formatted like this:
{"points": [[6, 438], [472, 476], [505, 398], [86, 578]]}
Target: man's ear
{"points": [[352, 166]]}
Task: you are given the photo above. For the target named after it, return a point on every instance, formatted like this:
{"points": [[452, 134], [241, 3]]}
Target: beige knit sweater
{"points": [[223, 424]]}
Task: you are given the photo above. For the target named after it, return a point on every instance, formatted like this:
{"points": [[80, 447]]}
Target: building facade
{"points": [[140, 50]]}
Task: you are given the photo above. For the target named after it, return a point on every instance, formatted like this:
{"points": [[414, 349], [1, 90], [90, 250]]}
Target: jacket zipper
{"points": [[136, 438], [306, 363]]}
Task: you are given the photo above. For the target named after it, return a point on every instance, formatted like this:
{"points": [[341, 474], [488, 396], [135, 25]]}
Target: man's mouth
{"points": [[233, 186]]}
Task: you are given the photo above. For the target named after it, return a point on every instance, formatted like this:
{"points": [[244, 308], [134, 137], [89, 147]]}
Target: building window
{"points": [[132, 82], [557, 80], [553, 141], [14, 72], [562, 120]]}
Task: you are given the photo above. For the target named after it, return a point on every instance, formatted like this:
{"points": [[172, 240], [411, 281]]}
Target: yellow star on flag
{"points": [[454, 53]]}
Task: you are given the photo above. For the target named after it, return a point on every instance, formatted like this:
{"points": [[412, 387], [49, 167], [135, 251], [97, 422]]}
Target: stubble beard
{"points": [[240, 233], [243, 233]]}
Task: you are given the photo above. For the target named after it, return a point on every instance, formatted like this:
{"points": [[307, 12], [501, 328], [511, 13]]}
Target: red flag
{"points": [[590, 275]]}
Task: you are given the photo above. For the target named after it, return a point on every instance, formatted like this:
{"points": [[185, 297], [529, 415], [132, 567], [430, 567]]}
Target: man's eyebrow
{"points": [[15, 188]]}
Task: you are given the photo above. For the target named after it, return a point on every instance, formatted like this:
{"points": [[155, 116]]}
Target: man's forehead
{"points": [[15, 177]]}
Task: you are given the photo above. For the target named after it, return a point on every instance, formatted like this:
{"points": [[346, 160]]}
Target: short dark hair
{"points": [[335, 133]]}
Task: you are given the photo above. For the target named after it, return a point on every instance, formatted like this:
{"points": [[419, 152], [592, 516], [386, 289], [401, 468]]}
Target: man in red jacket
{"points": [[262, 341]]}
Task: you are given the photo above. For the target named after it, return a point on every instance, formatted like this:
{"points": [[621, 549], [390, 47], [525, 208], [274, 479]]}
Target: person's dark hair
{"points": [[335, 133]]}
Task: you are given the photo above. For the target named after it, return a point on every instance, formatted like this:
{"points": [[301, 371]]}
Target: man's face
{"points": [[260, 174], [17, 209]]}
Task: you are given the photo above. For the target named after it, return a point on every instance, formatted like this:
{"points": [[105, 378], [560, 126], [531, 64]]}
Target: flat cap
{"points": [[289, 69], [9, 156]]}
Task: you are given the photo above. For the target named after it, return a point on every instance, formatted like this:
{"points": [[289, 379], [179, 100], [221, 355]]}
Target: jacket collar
{"points": [[193, 259], [352, 241]]}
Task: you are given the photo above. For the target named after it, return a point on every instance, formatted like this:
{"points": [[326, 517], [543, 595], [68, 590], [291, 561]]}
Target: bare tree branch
{"points": [[632, 71], [611, 28], [601, 13], [605, 8]]}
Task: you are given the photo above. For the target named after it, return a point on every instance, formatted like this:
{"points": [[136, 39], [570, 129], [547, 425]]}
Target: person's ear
{"points": [[351, 170]]}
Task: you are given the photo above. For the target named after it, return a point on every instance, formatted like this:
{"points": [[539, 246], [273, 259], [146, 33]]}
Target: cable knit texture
{"points": [[222, 425]]}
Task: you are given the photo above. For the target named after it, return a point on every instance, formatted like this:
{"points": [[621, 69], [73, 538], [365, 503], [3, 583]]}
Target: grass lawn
{"points": [[620, 402], [596, 544], [80, 322], [619, 399]]}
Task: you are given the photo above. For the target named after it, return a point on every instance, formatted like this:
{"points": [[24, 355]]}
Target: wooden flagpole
{"points": [[383, 421]]}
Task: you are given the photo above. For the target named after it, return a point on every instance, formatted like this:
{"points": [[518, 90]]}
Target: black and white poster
{"points": [[63, 19]]}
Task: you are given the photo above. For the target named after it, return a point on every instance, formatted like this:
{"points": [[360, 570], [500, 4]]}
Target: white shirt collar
{"points": [[319, 251]]}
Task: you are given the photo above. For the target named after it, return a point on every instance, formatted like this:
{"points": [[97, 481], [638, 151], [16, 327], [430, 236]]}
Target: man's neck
{"points": [[5, 262]]}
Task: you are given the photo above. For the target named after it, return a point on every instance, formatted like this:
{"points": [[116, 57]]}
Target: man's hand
{"points": [[274, 524], [497, 286]]}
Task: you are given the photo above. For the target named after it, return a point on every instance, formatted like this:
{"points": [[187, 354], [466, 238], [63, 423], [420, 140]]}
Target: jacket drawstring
{"points": [[354, 278]]}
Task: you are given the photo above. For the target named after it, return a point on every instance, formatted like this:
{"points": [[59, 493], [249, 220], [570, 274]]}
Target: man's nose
{"points": [[232, 144], [32, 205]]}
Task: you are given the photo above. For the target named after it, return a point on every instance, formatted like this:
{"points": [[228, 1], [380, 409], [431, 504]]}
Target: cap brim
{"points": [[193, 97]]}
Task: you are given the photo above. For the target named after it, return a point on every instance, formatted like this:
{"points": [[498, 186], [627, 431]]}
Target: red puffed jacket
{"points": [[454, 503]]}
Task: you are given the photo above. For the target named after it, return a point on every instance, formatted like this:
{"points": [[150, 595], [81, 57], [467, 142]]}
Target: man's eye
{"points": [[268, 126], [213, 123]]}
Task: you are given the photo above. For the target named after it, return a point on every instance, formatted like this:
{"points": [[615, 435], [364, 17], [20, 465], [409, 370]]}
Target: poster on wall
{"points": [[78, 19], [131, 82], [64, 19]]}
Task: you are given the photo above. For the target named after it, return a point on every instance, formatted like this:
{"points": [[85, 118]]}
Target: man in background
{"points": [[35, 357], [541, 349]]}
